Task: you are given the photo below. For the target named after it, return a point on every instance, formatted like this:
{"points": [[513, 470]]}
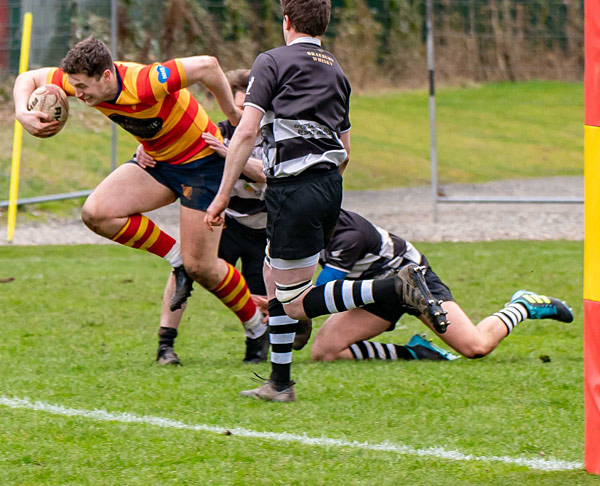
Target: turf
{"points": [[79, 330], [489, 132]]}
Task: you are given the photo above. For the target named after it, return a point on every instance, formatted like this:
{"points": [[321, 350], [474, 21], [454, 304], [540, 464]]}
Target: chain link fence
{"points": [[378, 42]]}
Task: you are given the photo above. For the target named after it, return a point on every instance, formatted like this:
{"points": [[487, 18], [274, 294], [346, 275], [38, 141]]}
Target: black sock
{"points": [[166, 336]]}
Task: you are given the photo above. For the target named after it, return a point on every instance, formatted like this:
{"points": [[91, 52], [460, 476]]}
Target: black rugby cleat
{"points": [[183, 288], [412, 290]]}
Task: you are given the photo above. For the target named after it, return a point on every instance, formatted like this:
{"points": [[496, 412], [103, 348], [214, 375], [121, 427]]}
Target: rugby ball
{"points": [[51, 100]]}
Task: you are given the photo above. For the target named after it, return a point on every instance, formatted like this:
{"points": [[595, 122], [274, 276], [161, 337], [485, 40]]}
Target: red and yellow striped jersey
{"points": [[154, 105]]}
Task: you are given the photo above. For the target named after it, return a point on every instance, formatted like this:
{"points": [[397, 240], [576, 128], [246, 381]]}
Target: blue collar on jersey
{"points": [[120, 82], [309, 40]]}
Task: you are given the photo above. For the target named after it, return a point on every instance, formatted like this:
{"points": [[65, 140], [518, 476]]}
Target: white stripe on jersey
{"points": [[387, 245], [254, 106], [363, 265], [412, 253], [296, 166], [285, 129], [256, 221]]}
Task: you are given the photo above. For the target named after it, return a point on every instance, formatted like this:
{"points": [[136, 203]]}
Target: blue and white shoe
{"points": [[421, 348], [542, 306]]}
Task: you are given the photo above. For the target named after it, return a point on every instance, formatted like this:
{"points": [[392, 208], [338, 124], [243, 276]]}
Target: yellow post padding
{"points": [[591, 274], [18, 134]]}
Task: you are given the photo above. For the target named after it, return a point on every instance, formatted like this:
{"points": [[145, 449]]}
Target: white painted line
{"points": [[437, 452]]}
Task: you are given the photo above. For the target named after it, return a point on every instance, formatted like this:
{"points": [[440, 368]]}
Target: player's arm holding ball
{"points": [[35, 122]]}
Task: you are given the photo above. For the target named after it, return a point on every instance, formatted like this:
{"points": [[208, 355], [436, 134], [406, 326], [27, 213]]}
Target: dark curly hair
{"points": [[89, 56], [308, 16], [238, 79]]}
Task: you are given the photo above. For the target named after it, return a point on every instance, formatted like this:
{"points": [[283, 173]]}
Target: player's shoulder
{"points": [[276, 51], [130, 65]]}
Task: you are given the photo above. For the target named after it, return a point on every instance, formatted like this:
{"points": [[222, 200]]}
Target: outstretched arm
{"points": [[35, 122], [238, 153], [254, 170], [207, 71]]}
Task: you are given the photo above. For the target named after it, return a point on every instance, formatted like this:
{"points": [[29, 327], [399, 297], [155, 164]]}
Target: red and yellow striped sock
{"points": [[234, 293], [140, 232]]}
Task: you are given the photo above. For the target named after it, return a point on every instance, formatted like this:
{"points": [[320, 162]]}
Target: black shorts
{"points": [[392, 312], [302, 212], [238, 242], [195, 183]]}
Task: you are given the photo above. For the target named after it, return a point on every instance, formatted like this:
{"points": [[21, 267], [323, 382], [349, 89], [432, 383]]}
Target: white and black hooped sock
{"points": [[342, 295], [282, 330], [371, 350], [511, 315]]}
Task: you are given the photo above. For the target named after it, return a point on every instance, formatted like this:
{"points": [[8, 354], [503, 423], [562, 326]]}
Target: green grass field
{"points": [[488, 132], [79, 331]]}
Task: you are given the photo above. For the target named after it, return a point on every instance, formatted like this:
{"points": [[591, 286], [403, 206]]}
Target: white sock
{"points": [[255, 327], [174, 255]]}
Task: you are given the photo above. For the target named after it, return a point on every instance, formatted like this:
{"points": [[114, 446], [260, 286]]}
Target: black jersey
{"points": [[247, 198], [305, 98], [365, 250]]}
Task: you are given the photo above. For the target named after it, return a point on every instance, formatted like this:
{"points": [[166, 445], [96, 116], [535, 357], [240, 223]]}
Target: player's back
{"points": [[312, 86], [305, 98]]}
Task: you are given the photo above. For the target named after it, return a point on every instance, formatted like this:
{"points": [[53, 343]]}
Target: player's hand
{"points": [[38, 123], [143, 159], [214, 213], [262, 303], [215, 144]]}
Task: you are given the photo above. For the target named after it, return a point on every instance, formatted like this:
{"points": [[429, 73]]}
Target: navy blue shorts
{"points": [[195, 183]]}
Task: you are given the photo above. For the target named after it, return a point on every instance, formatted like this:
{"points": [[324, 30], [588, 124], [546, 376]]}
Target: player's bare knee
{"points": [[92, 216], [203, 271], [321, 353], [295, 310], [475, 350], [291, 296], [317, 354], [199, 272]]}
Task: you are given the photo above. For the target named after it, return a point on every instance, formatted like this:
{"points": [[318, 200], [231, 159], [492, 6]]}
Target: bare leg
{"points": [[168, 318], [167, 331], [472, 341], [199, 248], [342, 330], [126, 191]]}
